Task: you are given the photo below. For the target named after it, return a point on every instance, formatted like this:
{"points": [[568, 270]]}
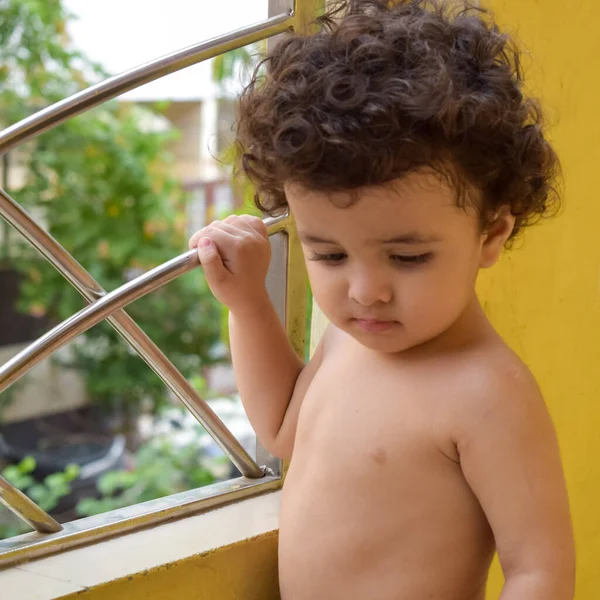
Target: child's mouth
{"points": [[374, 325]]}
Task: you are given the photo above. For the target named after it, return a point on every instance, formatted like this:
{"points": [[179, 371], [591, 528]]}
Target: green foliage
{"points": [[46, 494], [161, 469], [101, 185], [36, 63], [240, 61]]}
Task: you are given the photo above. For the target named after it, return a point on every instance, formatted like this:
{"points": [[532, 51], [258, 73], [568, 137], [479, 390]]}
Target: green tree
{"points": [[161, 469], [101, 184]]}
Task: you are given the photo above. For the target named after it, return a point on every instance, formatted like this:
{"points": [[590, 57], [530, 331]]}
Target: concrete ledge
{"points": [[228, 553]]}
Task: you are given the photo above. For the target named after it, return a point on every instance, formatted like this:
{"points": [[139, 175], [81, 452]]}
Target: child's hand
{"points": [[235, 255]]}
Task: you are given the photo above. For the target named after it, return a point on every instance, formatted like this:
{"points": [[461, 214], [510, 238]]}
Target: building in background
{"points": [[121, 35]]}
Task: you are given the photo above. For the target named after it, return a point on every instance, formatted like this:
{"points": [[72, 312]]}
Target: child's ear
{"points": [[495, 237]]}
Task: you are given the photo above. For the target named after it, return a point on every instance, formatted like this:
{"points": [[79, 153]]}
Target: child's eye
{"points": [[412, 259], [333, 258]]}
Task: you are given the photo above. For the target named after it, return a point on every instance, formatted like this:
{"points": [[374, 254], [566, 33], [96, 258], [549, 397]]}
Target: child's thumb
{"points": [[214, 270]]}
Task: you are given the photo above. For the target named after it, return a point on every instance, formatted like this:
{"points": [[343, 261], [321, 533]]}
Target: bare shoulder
{"points": [[499, 392], [509, 455], [499, 374]]}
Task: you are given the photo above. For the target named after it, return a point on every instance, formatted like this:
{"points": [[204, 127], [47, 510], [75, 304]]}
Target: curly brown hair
{"points": [[386, 88]]}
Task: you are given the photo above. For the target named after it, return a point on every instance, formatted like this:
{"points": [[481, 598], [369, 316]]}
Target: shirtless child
{"points": [[401, 143]]}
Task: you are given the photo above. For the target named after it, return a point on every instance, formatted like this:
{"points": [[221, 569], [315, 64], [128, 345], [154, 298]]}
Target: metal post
{"points": [[27, 510], [291, 309], [305, 12]]}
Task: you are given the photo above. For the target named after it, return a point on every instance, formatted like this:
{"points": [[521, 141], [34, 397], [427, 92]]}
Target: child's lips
{"points": [[375, 325]]}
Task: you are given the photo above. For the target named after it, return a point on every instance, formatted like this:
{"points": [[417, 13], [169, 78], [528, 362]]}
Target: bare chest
{"points": [[371, 490], [373, 417]]}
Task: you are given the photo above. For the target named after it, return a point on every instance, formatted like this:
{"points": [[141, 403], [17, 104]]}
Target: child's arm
{"points": [[509, 456], [270, 376]]}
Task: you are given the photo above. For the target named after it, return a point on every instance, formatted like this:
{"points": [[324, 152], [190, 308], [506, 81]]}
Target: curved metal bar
{"points": [[119, 84], [126, 326], [49, 248], [65, 264], [111, 303], [92, 314], [26, 509]]}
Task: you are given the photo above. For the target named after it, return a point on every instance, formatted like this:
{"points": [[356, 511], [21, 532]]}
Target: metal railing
{"points": [[283, 15]]}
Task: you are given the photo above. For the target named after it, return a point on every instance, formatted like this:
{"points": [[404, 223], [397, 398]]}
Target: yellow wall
{"points": [[545, 297]]}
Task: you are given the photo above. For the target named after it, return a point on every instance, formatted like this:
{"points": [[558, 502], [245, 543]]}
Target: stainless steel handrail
{"points": [[107, 304], [27, 510], [119, 84], [94, 313], [126, 326]]}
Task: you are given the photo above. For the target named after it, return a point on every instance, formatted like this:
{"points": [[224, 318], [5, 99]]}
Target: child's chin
{"points": [[387, 344]]}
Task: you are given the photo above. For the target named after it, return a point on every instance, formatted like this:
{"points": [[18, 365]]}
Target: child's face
{"points": [[397, 267]]}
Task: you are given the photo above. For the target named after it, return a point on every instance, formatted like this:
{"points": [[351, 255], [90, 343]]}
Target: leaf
{"points": [[27, 465], [41, 496], [114, 481], [72, 472], [57, 484], [14, 476], [90, 506]]}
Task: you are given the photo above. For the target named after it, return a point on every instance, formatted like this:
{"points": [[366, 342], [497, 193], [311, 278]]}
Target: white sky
{"points": [[121, 34]]}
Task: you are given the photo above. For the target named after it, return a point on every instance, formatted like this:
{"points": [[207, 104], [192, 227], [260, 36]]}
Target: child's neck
{"points": [[471, 327]]}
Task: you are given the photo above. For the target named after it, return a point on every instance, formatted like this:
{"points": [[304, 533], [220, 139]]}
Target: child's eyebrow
{"points": [[406, 238], [314, 239], [411, 238]]}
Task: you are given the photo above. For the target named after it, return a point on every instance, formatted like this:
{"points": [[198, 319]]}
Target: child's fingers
{"points": [[208, 231], [224, 241], [212, 264], [248, 223], [257, 224], [193, 243], [230, 228]]}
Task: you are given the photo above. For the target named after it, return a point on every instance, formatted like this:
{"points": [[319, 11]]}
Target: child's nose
{"points": [[368, 287]]}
